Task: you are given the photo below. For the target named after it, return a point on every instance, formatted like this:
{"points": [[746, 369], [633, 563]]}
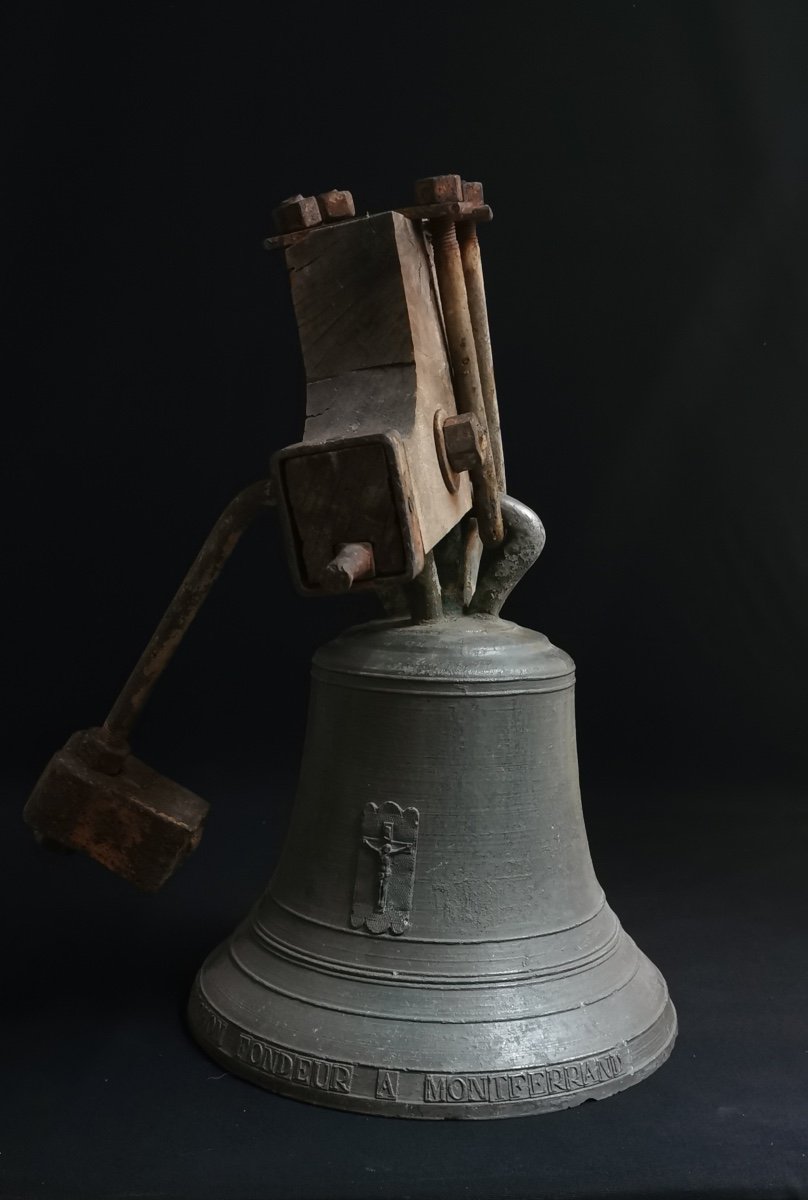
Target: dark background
{"points": [[646, 272]]}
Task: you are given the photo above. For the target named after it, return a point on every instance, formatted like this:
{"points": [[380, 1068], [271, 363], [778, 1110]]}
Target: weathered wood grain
{"points": [[377, 368]]}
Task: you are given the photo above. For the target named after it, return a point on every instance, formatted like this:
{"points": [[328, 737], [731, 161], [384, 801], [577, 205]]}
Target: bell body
{"points": [[434, 942]]}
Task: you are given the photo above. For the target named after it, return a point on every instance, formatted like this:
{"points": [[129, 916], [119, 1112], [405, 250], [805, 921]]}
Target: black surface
{"points": [[647, 274]]}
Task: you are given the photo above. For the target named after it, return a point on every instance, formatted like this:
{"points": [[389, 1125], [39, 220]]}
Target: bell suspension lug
{"points": [[504, 567]]}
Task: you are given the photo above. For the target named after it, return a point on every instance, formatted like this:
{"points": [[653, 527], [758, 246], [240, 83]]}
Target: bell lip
{"points": [[665, 1022], [453, 651]]}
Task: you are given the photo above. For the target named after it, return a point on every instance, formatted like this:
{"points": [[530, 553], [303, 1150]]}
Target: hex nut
{"points": [[336, 205], [439, 189], [473, 193], [464, 439], [298, 212]]}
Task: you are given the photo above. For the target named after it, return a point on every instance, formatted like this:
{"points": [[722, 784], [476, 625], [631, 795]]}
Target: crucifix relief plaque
{"points": [[385, 868]]}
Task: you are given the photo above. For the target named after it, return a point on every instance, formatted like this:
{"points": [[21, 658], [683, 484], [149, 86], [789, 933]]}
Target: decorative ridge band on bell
{"points": [[434, 941], [476, 651]]}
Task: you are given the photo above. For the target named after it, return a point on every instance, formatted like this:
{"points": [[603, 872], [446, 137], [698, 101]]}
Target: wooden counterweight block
{"points": [[378, 385]]}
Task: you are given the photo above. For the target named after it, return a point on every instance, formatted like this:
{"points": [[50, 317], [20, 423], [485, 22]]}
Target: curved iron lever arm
{"points": [[190, 596]]}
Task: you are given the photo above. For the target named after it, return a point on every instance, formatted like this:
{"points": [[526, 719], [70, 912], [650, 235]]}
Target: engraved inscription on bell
{"points": [[385, 868]]}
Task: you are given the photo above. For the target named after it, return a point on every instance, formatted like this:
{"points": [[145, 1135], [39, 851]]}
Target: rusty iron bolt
{"points": [[439, 189], [298, 212], [352, 563], [465, 440], [336, 205]]}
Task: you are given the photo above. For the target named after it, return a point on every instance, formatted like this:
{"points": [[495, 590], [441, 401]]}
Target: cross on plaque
{"points": [[386, 847], [382, 897]]}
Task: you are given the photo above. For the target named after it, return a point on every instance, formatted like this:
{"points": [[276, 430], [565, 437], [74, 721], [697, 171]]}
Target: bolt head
{"points": [[298, 212], [473, 193], [336, 205], [439, 189], [464, 440]]}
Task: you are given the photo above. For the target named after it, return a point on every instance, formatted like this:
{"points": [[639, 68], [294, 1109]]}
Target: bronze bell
{"points": [[434, 942]]}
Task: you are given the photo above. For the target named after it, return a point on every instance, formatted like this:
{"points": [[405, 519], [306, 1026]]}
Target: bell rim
{"points": [[665, 1021]]}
